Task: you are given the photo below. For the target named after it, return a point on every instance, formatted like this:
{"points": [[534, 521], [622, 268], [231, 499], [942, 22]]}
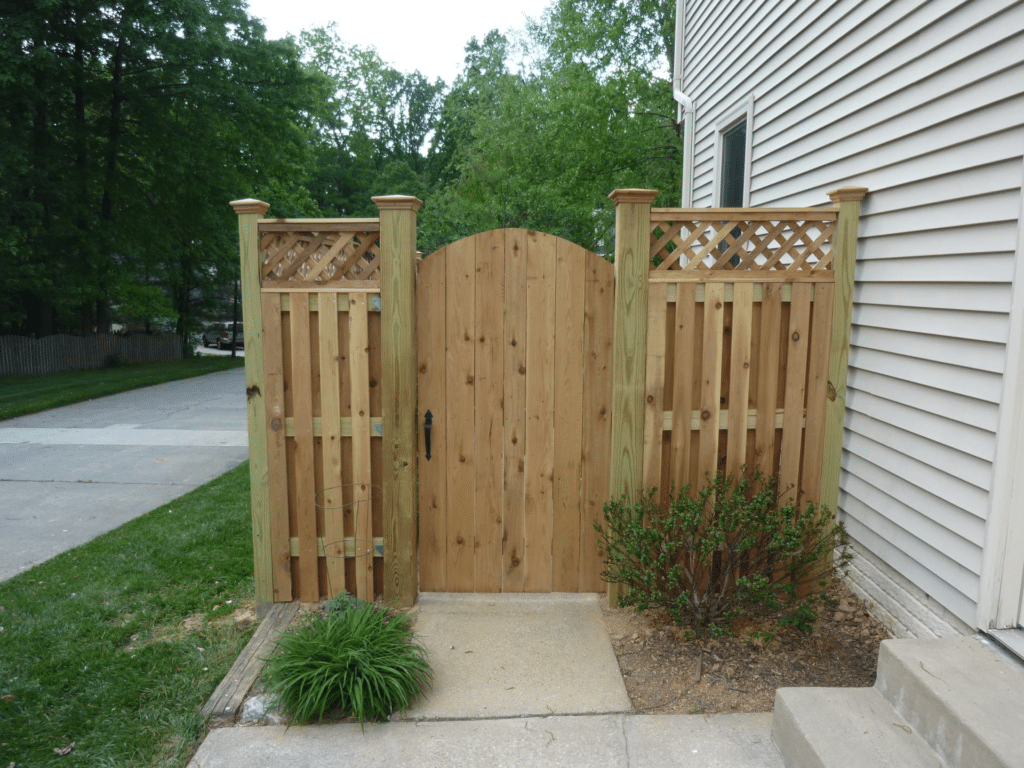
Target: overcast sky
{"points": [[408, 34]]}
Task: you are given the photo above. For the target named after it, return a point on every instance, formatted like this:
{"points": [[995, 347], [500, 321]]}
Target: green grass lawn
{"points": [[20, 395], [116, 645]]}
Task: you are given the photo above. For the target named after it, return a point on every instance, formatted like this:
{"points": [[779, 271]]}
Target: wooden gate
{"points": [[514, 334]]}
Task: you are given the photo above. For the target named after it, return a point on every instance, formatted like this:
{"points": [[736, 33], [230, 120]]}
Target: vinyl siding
{"points": [[922, 102]]}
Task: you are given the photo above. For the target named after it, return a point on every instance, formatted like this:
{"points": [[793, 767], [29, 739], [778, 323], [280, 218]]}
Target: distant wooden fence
{"points": [[727, 346], [22, 356]]}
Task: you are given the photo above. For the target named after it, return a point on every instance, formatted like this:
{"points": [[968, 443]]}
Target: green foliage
{"points": [[95, 649], [342, 603], [359, 659], [733, 546]]}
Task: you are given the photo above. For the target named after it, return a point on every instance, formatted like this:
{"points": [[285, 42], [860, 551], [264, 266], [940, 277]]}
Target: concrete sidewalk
{"points": [[72, 473], [499, 661]]}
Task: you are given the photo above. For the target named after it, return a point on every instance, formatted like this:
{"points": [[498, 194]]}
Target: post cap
{"points": [[641, 196], [848, 194], [250, 205], [397, 203]]}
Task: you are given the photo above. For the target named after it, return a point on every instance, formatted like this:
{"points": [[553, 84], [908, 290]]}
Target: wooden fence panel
{"points": [[321, 339]]}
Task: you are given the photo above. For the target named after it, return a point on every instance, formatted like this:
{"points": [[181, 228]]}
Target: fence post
{"points": [[398, 393], [249, 213], [844, 261], [629, 346]]}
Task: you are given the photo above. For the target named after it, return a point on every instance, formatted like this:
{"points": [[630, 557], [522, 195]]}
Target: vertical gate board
{"points": [[433, 501], [739, 373], [796, 377], [302, 415], [570, 278], [362, 479], [711, 380], [654, 411], [277, 461], [540, 375], [376, 367], [683, 375], [597, 400], [817, 392], [460, 422], [330, 420], [768, 377], [489, 392], [514, 439]]}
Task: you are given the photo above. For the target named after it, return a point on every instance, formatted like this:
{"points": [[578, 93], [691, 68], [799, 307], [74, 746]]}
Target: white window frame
{"points": [[740, 111]]}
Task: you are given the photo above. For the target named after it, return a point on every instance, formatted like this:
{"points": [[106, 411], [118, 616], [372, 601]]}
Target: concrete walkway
{"points": [[499, 661], [71, 473]]}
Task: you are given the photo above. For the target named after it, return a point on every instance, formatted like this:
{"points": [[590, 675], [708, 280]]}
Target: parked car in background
{"points": [[219, 335]]}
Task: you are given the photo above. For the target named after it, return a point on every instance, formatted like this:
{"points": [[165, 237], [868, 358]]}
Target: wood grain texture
{"points": [[684, 374], [654, 406], [597, 414], [277, 461], [249, 213], [739, 377], [331, 498], [540, 386], [362, 473], [460, 421], [487, 407], [397, 258], [570, 268], [796, 386], [769, 350], [433, 498], [301, 386], [711, 383], [514, 414], [817, 393]]}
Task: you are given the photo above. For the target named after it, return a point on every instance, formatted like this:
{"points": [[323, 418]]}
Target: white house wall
{"points": [[923, 103]]}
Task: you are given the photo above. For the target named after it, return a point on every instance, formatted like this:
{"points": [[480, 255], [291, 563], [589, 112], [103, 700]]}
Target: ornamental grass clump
{"points": [[363, 661], [733, 547]]}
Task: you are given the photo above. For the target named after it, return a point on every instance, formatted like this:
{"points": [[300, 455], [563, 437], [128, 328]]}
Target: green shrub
{"points": [[731, 547], [362, 661]]}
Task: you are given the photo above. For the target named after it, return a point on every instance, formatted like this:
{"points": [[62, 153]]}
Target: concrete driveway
{"points": [[69, 474]]}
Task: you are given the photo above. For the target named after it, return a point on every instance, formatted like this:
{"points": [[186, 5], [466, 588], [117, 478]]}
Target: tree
{"points": [[543, 148], [128, 125]]}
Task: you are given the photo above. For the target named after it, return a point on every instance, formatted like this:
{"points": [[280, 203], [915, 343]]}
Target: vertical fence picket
{"points": [[817, 392], [331, 497], [433, 475], [276, 450], [768, 377], [459, 423], [362, 479], [489, 293], [568, 409], [654, 406], [739, 376], [711, 381], [514, 430], [598, 334], [540, 385], [302, 418], [684, 369], [796, 378]]}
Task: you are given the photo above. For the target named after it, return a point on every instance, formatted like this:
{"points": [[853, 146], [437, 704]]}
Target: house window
{"points": [[732, 155], [734, 165]]}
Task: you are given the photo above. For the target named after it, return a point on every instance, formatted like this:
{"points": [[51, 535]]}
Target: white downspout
{"points": [[685, 109]]}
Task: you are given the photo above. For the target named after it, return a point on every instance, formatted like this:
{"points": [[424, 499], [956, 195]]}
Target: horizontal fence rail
{"points": [[22, 356]]}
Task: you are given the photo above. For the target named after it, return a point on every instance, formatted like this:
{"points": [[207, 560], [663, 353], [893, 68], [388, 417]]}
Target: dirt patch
{"points": [[666, 674]]}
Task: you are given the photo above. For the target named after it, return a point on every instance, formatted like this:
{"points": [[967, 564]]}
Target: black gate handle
{"points": [[428, 419]]}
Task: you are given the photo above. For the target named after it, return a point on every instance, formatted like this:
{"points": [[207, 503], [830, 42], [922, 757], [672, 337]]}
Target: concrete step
{"points": [[845, 728], [964, 695]]}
